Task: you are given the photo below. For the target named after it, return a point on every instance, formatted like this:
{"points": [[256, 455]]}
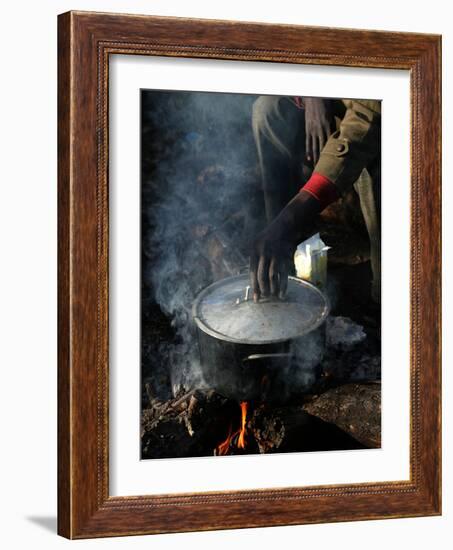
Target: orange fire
{"points": [[222, 449], [241, 438]]}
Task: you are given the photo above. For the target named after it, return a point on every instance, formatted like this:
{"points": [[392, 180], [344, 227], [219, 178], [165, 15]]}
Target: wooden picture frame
{"points": [[85, 42]]}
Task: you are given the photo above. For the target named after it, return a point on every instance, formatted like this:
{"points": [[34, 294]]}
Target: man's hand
{"points": [[272, 252], [319, 123]]}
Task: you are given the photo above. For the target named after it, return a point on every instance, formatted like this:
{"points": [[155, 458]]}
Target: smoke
{"points": [[199, 206], [201, 203]]}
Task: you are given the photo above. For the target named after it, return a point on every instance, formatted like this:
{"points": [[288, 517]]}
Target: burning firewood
{"points": [[203, 423], [189, 425], [237, 440], [203, 407]]}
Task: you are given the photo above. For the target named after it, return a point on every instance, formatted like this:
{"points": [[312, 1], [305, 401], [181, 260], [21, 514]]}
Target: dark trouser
{"points": [[279, 131]]}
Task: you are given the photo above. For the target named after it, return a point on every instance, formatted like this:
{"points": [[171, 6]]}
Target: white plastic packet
{"points": [[310, 260]]}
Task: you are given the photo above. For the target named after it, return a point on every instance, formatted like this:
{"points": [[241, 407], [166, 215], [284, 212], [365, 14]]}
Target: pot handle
{"points": [[258, 356]]}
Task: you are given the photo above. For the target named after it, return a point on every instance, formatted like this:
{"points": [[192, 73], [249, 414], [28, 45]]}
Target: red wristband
{"points": [[322, 189]]}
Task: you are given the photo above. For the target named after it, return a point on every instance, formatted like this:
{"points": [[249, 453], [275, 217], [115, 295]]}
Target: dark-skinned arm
{"points": [[346, 153], [319, 125], [273, 250]]}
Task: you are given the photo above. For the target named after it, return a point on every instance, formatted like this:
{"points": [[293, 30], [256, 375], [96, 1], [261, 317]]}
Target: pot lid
{"points": [[226, 310]]}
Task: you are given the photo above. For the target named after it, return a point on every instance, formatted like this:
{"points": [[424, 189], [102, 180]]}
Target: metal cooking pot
{"points": [[256, 351]]}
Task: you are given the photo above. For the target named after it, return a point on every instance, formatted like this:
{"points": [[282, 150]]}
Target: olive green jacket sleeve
{"points": [[354, 145]]}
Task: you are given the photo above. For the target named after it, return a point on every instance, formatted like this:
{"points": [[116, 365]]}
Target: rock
{"points": [[355, 408], [292, 429]]}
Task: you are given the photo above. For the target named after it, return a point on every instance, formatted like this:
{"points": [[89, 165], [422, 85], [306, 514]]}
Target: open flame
{"points": [[223, 448], [241, 438]]}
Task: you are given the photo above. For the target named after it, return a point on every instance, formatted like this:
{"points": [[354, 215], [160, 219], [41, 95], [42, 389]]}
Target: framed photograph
{"points": [[249, 275]]}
